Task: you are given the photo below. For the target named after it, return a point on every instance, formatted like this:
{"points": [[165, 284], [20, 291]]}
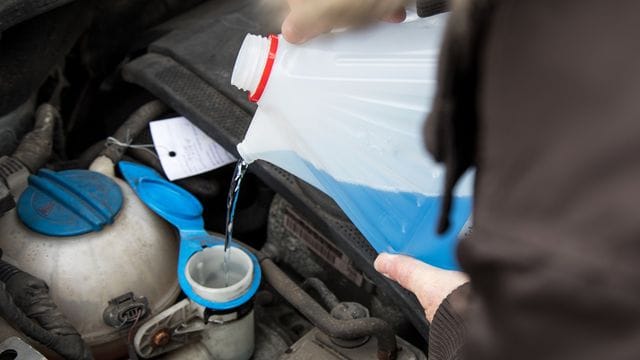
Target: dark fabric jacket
{"points": [[550, 116], [448, 331]]}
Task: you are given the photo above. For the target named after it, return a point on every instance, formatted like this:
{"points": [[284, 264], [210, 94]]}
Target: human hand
{"points": [[430, 284], [309, 18]]}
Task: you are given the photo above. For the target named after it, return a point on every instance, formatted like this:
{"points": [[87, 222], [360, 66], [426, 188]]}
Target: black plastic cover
{"points": [[13, 12]]}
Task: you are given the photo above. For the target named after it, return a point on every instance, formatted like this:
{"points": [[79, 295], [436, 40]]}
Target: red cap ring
{"points": [[273, 48]]}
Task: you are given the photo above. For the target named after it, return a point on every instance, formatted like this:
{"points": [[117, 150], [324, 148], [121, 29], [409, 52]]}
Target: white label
{"points": [[184, 150]]}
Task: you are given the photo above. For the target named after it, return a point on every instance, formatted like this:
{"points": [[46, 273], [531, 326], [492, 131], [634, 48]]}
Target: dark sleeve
{"points": [[431, 7], [448, 330], [450, 130]]}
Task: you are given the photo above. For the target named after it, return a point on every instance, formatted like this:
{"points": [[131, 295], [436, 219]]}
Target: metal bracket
{"points": [[171, 329]]}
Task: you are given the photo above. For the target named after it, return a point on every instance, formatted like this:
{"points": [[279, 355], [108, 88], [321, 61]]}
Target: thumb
{"points": [[293, 29], [304, 22], [430, 284], [397, 16]]}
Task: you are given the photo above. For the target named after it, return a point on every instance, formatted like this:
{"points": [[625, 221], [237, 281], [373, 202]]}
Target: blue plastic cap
{"points": [[170, 201], [69, 203]]}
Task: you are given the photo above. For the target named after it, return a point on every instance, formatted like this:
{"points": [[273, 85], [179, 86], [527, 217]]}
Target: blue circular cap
{"points": [[69, 203]]}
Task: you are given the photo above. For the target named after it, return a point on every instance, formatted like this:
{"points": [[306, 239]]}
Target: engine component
{"points": [[70, 231], [125, 310], [342, 329], [25, 302], [346, 333], [317, 345], [15, 348], [350, 311], [14, 175], [296, 244], [32, 152], [171, 329], [220, 336], [14, 125], [35, 148], [128, 131], [6, 199], [294, 241], [222, 283]]}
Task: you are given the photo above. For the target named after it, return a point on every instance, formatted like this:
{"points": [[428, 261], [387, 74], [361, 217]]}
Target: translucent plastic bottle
{"points": [[344, 112]]}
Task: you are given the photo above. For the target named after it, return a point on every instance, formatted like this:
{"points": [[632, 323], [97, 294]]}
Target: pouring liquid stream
{"points": [[232, 200]]}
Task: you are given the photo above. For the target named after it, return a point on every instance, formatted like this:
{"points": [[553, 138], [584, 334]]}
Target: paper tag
{"points": [[185, 150]]}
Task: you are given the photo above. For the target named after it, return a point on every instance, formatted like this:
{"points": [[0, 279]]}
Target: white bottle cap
{"points": [[250, 62], [205, 273]]}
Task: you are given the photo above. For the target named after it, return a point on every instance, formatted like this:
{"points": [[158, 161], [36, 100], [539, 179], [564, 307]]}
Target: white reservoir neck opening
{"points": [[205, 273]]}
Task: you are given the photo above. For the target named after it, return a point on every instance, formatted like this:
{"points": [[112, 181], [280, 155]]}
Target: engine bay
{"points": [[80, 81]]}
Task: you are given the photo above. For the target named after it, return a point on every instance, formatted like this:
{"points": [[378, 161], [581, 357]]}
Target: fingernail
{"points": [[292, 33], [382, 263], [397, 17]]}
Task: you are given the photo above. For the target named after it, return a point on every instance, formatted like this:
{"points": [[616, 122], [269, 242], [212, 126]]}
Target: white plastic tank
{"points": [[222, 335], [133, 251], [205, 272]]}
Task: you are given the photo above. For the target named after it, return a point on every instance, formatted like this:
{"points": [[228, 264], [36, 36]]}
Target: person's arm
{"points": [[448, 328], [443, 294]]}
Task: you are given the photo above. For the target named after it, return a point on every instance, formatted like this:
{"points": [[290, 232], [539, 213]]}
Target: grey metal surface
{"points": [[16, 348]]}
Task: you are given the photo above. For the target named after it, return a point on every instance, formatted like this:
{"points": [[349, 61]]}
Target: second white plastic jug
{"points": [[344, 112]]}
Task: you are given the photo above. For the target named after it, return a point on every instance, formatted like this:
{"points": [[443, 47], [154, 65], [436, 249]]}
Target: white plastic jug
{"points": [[344, 112]]}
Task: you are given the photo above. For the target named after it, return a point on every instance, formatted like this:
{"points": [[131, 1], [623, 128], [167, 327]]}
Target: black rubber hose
{"points": [[132, 127], [147, 158], [327, 297], [35, 148], [25, 303], [341, 329], [81, 162]]}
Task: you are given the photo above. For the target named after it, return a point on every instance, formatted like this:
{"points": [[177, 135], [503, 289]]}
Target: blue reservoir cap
{"points": [[170, 201], [69, 203], [184, 211]]}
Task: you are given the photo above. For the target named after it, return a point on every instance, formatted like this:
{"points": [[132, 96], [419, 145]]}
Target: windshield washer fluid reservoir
{"points": [[90, 238]]}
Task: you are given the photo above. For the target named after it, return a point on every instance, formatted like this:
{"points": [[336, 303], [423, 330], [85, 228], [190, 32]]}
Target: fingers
{"points": [[396, 17], [309, 18], [431, 285], [412, 274], [299, 27], [292, 31]]}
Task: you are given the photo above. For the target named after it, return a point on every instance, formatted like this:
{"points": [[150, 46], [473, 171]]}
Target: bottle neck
{"points": [[254, 64], [250, 63]]}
